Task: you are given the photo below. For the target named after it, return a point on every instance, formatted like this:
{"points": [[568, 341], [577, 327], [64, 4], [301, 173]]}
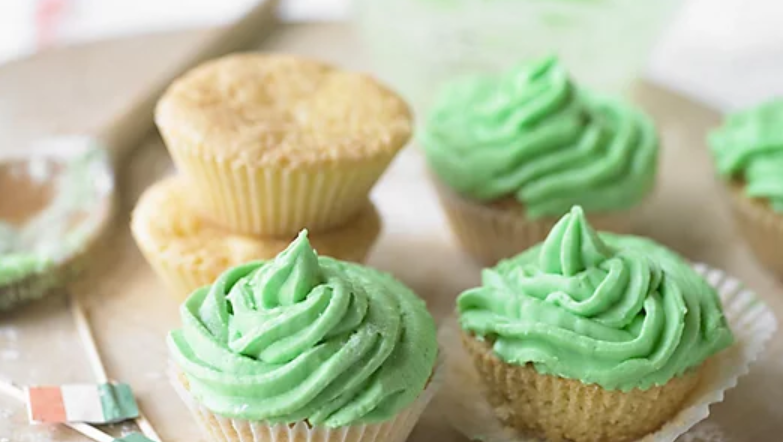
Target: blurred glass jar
{"points": [[416, 45]]}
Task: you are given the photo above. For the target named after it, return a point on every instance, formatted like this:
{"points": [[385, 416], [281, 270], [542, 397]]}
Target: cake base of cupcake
{"points": [[761, 227], [494, 231], [224, 429], [560, 409]]}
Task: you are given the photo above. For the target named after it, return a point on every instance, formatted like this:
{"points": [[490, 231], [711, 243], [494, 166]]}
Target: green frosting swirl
{"points": [[749, 147], [304, 337], [619, 311], [532, 135]]}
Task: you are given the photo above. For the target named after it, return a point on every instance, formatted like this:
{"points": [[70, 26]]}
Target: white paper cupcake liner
{"points": [[278, 201], [397, 429], [752, 322]]}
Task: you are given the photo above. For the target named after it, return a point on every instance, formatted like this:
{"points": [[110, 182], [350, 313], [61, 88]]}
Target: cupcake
{"points": [[748, 152], [512, 153], [591, 338], [189, 252], [305, 348], [275, 143]]}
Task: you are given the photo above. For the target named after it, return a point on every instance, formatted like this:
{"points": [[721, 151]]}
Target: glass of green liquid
{"points": [[417, 45]]}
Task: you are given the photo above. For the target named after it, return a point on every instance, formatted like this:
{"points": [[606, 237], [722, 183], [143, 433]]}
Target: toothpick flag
{"points": [[120, 401], [90, 403], [10, 389], [77, 405]]}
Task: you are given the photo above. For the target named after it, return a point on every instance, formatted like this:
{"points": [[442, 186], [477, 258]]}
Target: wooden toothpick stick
{"points": [[94, 357], [88, 341], [9, 389]]}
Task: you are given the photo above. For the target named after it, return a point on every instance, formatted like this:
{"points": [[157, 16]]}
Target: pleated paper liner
{"points": [[761, 227], [188, 252], [222, 429], [464, 405], [279, 200], [495, 231], [567, 409]]}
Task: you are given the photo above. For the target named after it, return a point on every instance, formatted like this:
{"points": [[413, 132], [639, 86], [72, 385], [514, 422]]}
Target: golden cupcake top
{"points": [[283, 110]]}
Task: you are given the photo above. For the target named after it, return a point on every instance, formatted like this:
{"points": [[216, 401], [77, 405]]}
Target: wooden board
{"points": [[73, 89]]}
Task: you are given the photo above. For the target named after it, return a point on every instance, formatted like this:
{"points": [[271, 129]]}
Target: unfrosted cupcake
{"points": [[590, 337], [275, 143], [748, 152], [189, 252], [305, 348], [512, 153]]}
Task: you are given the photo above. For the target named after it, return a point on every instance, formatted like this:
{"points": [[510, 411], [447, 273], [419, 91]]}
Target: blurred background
{"points": [[728, 53]]}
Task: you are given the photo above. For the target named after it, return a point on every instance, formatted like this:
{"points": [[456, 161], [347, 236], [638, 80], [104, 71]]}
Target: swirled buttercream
{"points": [[749, 147], [619, 311], [304, 337], [532, 135]]}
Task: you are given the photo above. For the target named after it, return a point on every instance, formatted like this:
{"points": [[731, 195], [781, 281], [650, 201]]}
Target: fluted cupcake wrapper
{"points": [[564, 409], [396, 429], [464, 401], [761, 227], [279, 200], [490, 233]]}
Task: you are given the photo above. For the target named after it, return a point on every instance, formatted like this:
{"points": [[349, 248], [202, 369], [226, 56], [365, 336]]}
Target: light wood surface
{"points": [[75, 89]]}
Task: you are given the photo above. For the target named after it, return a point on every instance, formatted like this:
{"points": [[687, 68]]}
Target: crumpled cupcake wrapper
{"points": [[761, 227], [397, 429], [464, 404], [490, 233], [278, 200]]}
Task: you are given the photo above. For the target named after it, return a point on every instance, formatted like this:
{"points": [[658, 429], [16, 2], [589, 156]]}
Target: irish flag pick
{"points": [[102, 403], [9, 389], [91, 403]]}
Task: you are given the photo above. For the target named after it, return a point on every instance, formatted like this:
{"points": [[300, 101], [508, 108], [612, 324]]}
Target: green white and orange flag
{"points": [[88, 403]]}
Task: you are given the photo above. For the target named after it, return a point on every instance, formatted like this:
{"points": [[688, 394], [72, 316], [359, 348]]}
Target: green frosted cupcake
{"points": [[512, 153], [304, 347], [591, 337], [748, 153]]}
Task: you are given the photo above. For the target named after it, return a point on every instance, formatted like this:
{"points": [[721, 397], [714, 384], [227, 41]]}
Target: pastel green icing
{"points": [[531, 134], [304, 337], [619, 311], [749, 147], [19, 266]]}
